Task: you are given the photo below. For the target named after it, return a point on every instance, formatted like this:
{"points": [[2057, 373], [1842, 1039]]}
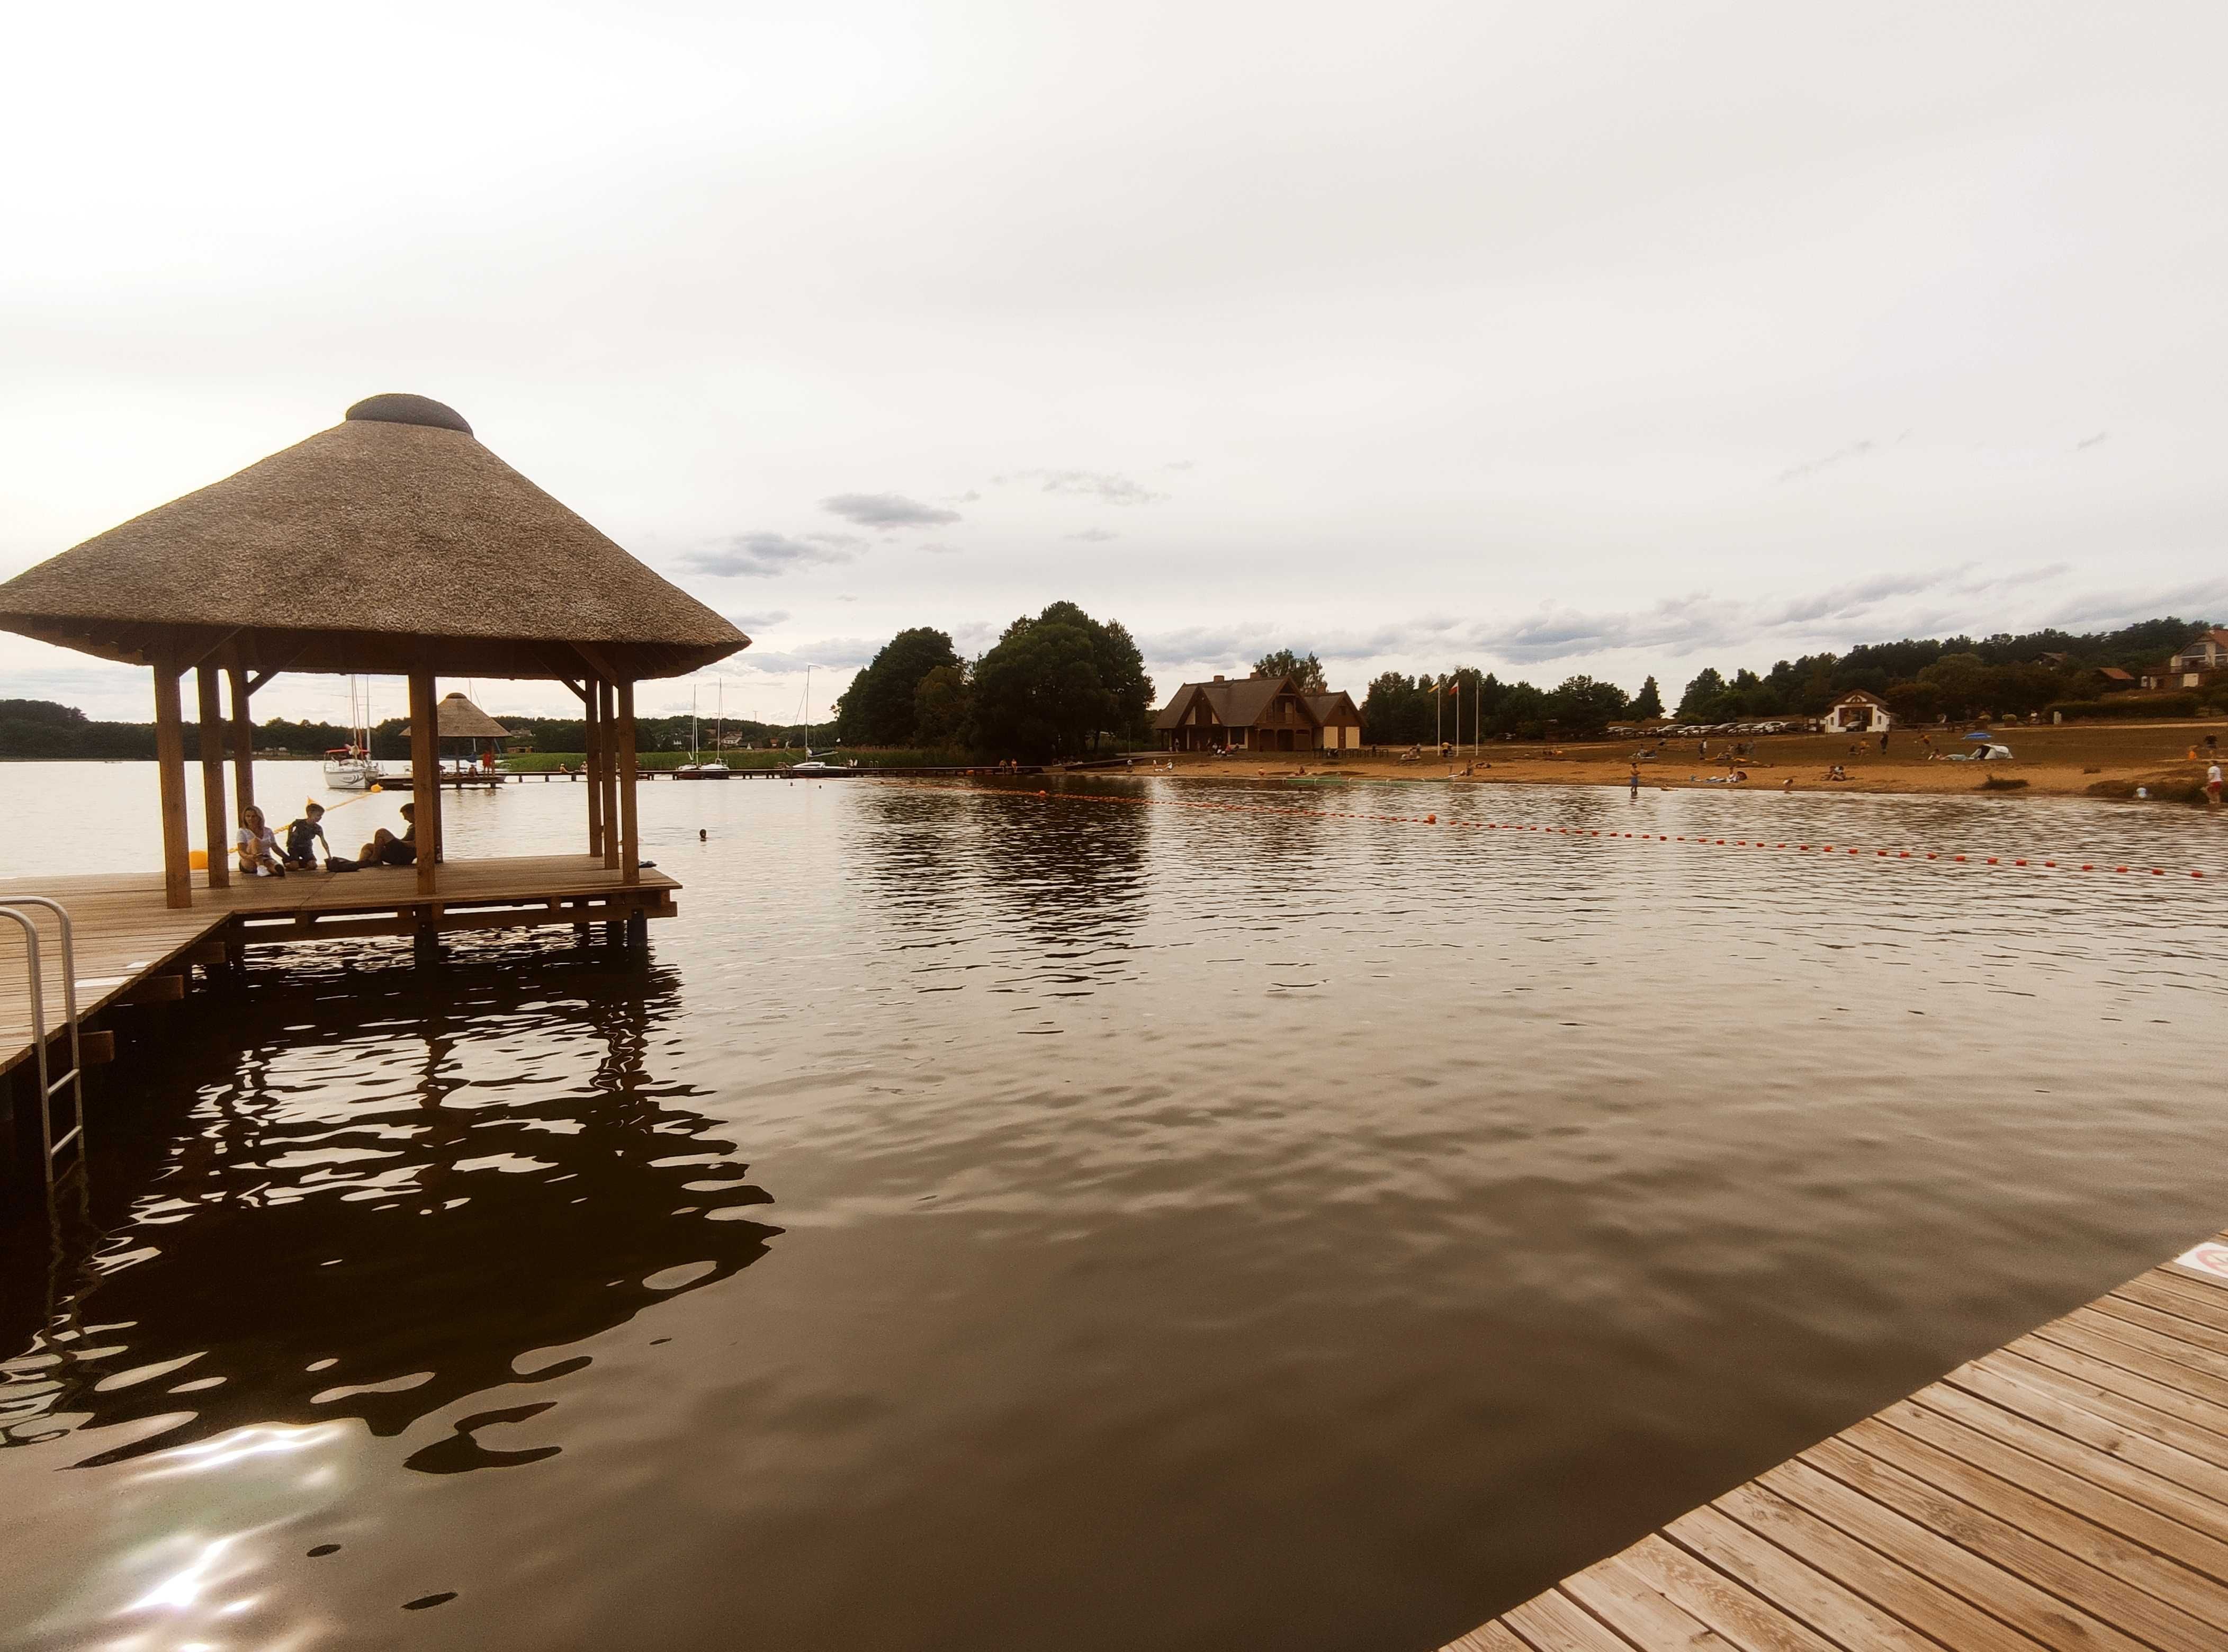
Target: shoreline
{"points": [[2096, 763]]}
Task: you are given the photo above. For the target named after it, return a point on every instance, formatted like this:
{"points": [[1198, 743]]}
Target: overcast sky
{"points": [[1549, 338]]}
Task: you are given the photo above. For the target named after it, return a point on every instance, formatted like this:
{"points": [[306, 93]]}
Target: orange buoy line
{"points": [[2031, 862]]}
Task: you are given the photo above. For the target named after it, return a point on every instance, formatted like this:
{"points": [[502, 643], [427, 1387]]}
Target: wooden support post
{"points": [[212, 816], [170, 761], [609, 780], [630, 830], [595, 772], [424, 776], [243, 740]]}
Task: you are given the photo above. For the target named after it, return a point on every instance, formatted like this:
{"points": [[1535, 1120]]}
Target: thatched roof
{"points": [[457, 719], [393, 541]]}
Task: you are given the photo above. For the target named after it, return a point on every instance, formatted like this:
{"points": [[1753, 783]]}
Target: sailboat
{"points": [[694, 768], [811, 764], [717, 768], [349, 768]]}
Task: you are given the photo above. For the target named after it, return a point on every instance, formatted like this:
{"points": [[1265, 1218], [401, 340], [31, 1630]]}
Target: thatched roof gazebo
{"points": [[393, 543], [457, 719]]}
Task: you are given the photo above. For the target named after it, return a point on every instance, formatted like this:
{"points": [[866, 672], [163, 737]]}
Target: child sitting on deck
{"points": [[303, 836], [386, 849]]}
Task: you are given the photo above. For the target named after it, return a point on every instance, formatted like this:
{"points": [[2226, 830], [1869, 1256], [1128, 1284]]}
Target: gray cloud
{"points": [[937, 549], [1942, 602], [885, 511], [765, 621], [830, 654], [1111, 486], [1095, 536], [762, 555], [2101, 436]]}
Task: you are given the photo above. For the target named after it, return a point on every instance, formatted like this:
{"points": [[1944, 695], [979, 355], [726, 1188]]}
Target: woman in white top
{"points": [[258, 846]]}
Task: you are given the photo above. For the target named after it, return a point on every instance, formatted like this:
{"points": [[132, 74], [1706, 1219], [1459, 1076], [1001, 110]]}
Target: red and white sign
{"points": [[2210, 1259]]}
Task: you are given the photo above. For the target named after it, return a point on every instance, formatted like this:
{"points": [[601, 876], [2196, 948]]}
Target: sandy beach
{"points": [[2108, 760]]}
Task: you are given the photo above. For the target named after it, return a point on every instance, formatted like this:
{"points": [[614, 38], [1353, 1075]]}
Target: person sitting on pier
{"points": [[258, 846], [386, 849], [303, 836]]}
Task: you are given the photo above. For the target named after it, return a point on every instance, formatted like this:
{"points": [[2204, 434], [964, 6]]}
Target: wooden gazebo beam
{"points": [[213, 814], [170, 769]]}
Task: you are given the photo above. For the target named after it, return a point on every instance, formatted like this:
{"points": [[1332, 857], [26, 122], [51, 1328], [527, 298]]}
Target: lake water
{"points": [[995, 1221]]}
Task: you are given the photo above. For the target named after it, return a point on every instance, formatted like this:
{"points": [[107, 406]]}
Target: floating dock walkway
{"points": [[2069, 1491], [132, 948]]}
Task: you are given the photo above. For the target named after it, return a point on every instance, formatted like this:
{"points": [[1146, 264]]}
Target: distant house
{"points": [[1258, 714], [2116, 678], [1859, 713], [2201, 660], [1340, 719]]}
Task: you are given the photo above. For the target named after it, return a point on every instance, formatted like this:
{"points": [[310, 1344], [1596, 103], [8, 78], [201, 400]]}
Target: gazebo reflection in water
{"points": [[375, 1192]]}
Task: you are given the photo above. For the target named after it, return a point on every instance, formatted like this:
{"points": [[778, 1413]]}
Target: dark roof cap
{"points": [[399, 407]]}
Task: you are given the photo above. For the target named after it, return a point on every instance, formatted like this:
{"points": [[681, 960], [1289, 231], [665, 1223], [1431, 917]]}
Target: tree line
{"points": [[1952, 676], [43, 728], [1059, 684], [1056, 684]]}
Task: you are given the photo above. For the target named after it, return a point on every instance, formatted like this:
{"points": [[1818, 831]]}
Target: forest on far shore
{"points": [[1058, 682]]}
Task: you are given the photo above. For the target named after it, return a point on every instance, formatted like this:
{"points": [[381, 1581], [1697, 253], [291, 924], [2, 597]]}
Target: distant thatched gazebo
{"points": [[393, 543], [457, 719]]}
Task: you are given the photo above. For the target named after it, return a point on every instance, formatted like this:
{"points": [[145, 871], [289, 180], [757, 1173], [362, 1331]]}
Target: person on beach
{"points": [[304, 835], [1636, 779], [386, 849], [2212, 786], [258, 846]]}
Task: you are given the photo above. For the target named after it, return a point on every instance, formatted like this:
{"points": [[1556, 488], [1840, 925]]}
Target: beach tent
{"points": [[393, 543]]}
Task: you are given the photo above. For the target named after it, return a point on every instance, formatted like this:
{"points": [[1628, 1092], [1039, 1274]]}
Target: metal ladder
{"points": [[75, 1079]]}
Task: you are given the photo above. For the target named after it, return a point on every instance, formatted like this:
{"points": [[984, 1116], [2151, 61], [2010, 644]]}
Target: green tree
{"points": [[943, 706], [1582, 705], [1699, 703], [1053, 684], [1304, 669], [1649, 702], [879, 707]]}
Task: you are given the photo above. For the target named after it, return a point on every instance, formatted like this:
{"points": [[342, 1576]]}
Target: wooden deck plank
{"points": [[1487, 1637], [2183, 1298], [2067, 1491], [2195, 1413], [1631, 1605], [1554, 1623], [1985, 1587], [2082, 1564], [2208, 1371], [1796, 1588], [2062, 1401], [1879, 1574], [2156, 1513], [1740, 1616]]}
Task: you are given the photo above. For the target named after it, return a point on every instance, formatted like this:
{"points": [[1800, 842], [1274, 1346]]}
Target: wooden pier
{"points": [[2069, 1491], [133, 948]]}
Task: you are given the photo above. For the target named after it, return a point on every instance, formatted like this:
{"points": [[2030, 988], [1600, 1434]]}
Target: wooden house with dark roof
{"points": [[1258, 714]]}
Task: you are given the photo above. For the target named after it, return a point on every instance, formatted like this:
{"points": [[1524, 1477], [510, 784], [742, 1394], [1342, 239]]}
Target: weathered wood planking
{"points": [[2069, 1491], [126, 934]]}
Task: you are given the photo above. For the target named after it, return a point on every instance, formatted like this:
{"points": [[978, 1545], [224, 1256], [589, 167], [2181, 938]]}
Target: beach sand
{"points": [[2070, 761]]}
